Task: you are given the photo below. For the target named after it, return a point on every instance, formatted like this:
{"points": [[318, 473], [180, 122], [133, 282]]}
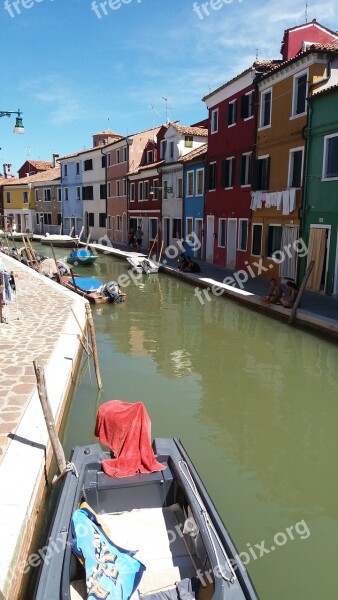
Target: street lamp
{"points": [[18, 128]]}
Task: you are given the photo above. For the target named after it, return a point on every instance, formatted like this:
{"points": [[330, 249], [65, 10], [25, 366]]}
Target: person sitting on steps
{"points": [[275, 293], [288, 302]]}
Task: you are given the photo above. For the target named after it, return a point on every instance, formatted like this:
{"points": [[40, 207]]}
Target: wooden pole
{"points": [[88, 238], [81, 232], [74, 282], [93, 339], [301, 291], [71, 231], [159, 258], [48, 414], [83, 333], [56, 264], [151, 249]]}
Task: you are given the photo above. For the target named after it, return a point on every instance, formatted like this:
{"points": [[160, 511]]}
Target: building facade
{"points": [[194, 168]]}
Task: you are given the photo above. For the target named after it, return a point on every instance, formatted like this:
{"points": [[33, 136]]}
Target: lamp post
{"points": [[18, 128]]}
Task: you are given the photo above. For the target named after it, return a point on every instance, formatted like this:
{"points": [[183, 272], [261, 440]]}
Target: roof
{"points": [[328, 90], [199, 131], [48, 175], [195, 153], [146, 167], [266, 65], [39, 165], [304, 25], [316, 47]]}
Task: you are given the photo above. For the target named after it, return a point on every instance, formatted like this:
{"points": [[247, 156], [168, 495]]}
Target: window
{"points": [[37, 215], [190, 183], [25, 197], [256, 249], [262, 173], [88, 164], [78, 193], [59, 218], [87, 192], [118, 223], [179, 187], [242, 234], [152, 228], [59, 195], [108, 159], [67, 223], [102, 219], [46, 195], [77, 168], [47, 218], [132, 192], [247, 105], [66, 194], [232, 113], [330, 159], [117, 156], [171, 146], [8, 197], [140, 191], [177, 228], [245, 169], [91, 219], [222, 223], [103, 161], [118, 190], [163, 148], [214, 121], [150, 156], [188, 140], [125, 154], [146, 190], [36, 196], [102, 191], [212, 176], [189, 226], [165, 189], [124, 186], [155, 189], [228, 166], [299, 94], [65, 170], [274, 239], [265, 115], [295, 168]]}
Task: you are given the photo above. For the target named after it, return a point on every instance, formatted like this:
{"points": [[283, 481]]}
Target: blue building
{"points": [[72, 195], [194, 164]]}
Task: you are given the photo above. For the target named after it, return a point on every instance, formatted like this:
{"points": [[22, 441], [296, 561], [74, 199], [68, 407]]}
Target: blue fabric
{"points": [[112, 573], [87, 284]]}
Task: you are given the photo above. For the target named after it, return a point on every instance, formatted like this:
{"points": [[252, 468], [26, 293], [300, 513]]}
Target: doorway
{"points": [[231, 243], [209, 250], [318, 251]]}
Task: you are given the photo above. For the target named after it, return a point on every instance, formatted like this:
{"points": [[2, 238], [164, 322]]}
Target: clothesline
{"points": [[283, 200]]}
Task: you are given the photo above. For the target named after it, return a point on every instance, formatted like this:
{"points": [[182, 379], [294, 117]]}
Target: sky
{"points": [[77, 67]]}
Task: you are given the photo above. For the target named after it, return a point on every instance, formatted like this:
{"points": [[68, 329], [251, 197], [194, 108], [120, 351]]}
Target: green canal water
{"points": [[254, 402]]}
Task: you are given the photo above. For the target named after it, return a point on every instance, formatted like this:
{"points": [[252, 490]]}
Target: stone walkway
{"points": [[34, 321]]}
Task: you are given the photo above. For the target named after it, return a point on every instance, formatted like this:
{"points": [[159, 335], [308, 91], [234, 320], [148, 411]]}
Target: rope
{"points": [[209, 525]]}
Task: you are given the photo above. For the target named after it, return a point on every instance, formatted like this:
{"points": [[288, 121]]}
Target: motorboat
{"points": [[81, 256], [137, 522], [60, 241], [142, 264], [94, 290], [16, 236]]}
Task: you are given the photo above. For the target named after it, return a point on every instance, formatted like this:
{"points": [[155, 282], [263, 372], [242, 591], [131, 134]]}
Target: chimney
{"points": [[8, 171], [55, 157]]}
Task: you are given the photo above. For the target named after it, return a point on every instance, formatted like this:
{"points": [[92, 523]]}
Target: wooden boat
{"points": [[166, 516], [60, 241], [94, 290], [81, 257], [143, 264], [15, 236]]}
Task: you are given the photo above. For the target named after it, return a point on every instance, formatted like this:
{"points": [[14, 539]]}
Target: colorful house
{"points": [[193, 200], [32, 167], [48, 205], [19, 204], [320, 210], [280, 148]]}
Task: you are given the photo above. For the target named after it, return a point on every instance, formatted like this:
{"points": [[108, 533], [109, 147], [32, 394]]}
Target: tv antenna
{"points": [[154, 111], [166, 108], [306, 10]]}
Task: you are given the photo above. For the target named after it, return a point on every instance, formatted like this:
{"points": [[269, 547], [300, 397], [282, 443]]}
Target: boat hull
{"points": [[176, 488], [93, 296], [81, 260], [60, 243]]}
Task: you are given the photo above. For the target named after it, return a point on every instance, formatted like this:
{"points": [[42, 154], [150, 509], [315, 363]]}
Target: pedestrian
{"points": [[288, 302], [131, 238], [275, 292], [138, 237]]}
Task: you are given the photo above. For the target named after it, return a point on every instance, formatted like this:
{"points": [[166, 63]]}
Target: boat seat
{"points": [[155, 535]]}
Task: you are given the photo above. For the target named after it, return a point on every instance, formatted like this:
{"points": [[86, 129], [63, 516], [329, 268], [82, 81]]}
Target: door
{"points": [[231, 245], [199, 237], [288, 268], [166, 232], [209, 250], [318, 243], [124, 228]]}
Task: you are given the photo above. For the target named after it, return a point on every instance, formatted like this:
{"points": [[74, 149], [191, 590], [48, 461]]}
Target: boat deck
{"points": [[156, 535]]}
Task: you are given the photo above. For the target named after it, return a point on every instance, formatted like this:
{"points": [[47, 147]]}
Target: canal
{"points": [[254, 402]]}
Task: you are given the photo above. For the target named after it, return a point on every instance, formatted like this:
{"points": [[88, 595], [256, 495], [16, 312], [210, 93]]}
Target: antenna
{"points": [[166, 108], [306, 10], [256, 54], [153, 113]]}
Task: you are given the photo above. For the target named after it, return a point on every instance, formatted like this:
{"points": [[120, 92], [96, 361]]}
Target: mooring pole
{"points": [[94, 347], [301, 291], [47, 413]]}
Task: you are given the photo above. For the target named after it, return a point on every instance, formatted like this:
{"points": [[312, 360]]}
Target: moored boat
{"points": [[16, 236], [81, 256], [143, 264], [94, 290], [59, 241], [146, 508]]}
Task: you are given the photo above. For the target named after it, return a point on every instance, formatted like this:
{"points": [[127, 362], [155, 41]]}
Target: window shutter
{"points": [[234, 120], [223, 173], [255, 174], [244, 106]]}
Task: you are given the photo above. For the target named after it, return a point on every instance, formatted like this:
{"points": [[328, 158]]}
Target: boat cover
{"points": [[126, 429], [111, 572], [87, 284], [81, 253]]}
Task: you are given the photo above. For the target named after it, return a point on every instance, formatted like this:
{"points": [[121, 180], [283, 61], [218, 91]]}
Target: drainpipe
{"points": [[106, 186]]}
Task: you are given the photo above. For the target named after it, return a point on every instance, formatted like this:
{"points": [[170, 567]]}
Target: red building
{"points": [[31, 167], [301, 37], [232, 127]]}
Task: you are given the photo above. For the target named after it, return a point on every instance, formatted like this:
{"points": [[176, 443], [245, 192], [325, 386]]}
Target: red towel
{"points": [[126, 429]]}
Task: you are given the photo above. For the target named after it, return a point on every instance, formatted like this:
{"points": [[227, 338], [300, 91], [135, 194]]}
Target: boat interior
{"points": [[148, 514]]}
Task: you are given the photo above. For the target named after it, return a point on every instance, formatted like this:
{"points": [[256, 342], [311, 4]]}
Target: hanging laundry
{"points": [[279, 200], [267, 200], [273, 199], [286, 202], [292, 199]]}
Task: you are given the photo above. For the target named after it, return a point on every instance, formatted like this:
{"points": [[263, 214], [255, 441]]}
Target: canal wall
{"points": [[43, 323]]}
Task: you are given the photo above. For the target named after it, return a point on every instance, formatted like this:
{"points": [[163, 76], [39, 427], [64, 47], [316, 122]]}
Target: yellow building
{"points": [[19, 204], [281, 154]]}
